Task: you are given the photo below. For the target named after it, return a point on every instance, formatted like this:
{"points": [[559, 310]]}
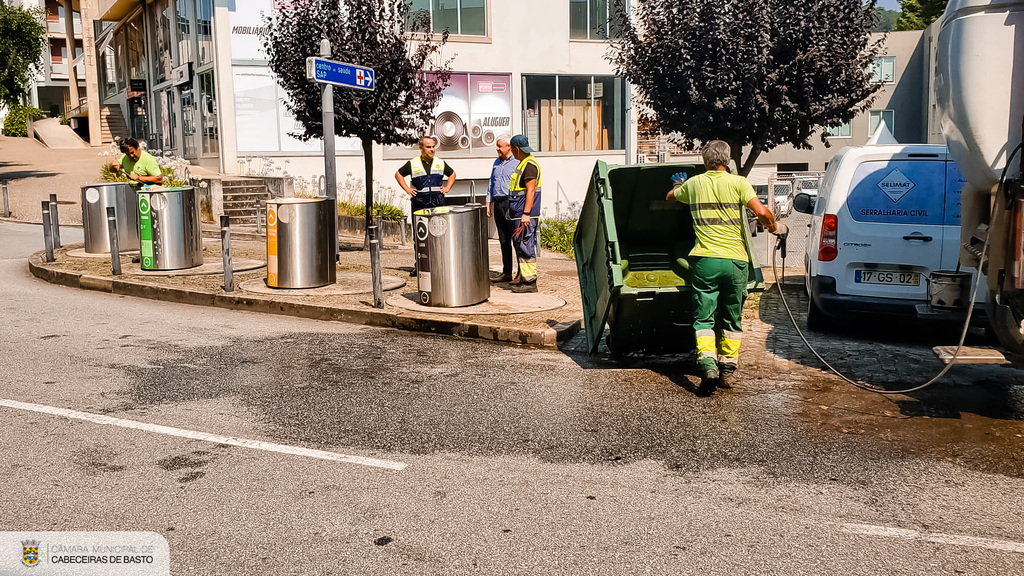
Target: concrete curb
{"points": [[546, 337]]}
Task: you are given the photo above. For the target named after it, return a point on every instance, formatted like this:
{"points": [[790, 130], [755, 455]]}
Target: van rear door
{"points": [[891, 233], [951, 241]]}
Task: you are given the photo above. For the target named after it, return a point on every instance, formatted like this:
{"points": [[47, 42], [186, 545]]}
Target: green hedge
{"points": [[14, 124]]}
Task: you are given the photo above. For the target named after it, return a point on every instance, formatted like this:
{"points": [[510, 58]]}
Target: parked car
{"points": [[762, 194], [783, 206], [883, 219]]}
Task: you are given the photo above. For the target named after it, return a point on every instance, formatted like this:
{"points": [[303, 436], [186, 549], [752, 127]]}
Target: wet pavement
{"points": [[521, 460]]}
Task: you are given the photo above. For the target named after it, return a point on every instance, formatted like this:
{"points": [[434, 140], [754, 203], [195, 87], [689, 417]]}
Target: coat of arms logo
{"points": [[30, 552]]}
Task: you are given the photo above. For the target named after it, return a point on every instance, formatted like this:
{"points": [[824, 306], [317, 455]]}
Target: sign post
{"points": [[330, 73]]}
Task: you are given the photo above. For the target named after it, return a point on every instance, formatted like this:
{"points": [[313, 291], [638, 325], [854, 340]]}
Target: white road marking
{"points": [[954, 539], [204, 436]]}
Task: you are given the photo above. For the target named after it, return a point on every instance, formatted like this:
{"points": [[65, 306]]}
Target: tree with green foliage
{"points": [[370, 33], [755, 73], [919, 14], [22, 42], [885, 20]]}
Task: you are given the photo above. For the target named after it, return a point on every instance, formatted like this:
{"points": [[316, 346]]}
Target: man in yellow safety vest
{"points": [[524, 207]]}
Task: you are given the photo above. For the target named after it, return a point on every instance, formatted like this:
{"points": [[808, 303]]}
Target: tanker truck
{"points": [[979, 88]]}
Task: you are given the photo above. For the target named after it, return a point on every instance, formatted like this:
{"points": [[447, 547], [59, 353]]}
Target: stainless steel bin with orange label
{"points": [[299, 243]]}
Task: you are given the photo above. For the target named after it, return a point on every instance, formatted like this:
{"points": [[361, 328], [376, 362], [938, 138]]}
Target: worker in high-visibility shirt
{"points": [[719, 260], [430, 178], [524, 207]]}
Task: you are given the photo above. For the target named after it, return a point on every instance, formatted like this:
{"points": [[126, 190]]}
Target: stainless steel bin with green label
{"points": [[169, 233], [631, 249], [96, 198], [452, 256]]}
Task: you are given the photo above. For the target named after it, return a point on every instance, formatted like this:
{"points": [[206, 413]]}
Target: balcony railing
{"points": [[57, 27], [61, 70]]}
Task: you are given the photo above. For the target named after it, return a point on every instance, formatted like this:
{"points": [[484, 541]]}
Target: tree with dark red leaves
{"points": [[755, 73], [408, 68]]}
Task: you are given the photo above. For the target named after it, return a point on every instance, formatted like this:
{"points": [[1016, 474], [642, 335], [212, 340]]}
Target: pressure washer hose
{"points": [[781, 246]]}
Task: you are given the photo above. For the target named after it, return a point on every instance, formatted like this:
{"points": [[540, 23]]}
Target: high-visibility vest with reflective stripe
{"points": [[715, 202], [517, 188], [424, 181]]}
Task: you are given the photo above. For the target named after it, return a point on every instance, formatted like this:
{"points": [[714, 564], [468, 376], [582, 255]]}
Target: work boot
{"points": [[525, 287], [517, 280], [727, 375], [709, 379], [502, 278]]}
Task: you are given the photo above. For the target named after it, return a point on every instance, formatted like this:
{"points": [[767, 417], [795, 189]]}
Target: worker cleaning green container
{"points": [[631, 247]]}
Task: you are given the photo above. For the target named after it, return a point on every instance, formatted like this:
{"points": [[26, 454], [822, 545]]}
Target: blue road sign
{"points": [[338, 73]]}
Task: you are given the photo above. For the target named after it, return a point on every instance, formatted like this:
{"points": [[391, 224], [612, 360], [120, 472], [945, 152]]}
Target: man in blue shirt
{"points": [[497, 204]]}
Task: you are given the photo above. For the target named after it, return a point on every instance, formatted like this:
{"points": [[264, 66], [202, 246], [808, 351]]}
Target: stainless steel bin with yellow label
{"points": [[169, 232], [299, 243], [451, 254], [96, 198]]}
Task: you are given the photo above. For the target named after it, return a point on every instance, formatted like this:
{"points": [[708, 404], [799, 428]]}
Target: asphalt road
{"points": [[435, 455]]}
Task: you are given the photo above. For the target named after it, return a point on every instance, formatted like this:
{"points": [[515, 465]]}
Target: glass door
{"points": [[208, 114], [188, 122]]}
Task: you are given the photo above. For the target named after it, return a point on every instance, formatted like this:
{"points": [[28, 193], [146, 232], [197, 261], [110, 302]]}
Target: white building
{"points": [[49, 89], [535, 67], [189, 76]]}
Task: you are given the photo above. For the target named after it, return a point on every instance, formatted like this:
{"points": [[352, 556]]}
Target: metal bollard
{"points": [[115, 246], [259, 217], [225, 246], [47, 240], [378, 286], [7, 207], [54, 221], [401, 224]]}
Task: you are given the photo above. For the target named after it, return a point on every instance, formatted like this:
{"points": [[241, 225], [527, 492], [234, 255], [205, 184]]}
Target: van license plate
{"points": [[888, 277]]}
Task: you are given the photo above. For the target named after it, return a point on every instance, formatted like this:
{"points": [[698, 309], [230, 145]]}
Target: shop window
{"points": [[204, 30], [457, 16], [842, 131], [574, 113], [474, 111], [592, 20], [184, 14], [108, 73], [883, 71], [876, 117], [136, 50], [160, 15], [120, 58]]}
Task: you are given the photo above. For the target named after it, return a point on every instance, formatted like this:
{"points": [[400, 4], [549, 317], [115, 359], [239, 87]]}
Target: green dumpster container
{"points": [[631, 247]]}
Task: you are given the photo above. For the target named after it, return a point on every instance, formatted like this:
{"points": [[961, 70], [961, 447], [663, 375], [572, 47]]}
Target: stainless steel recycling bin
{"points": [[452, 257], [299, 243], [169, 234], [95, 200]]}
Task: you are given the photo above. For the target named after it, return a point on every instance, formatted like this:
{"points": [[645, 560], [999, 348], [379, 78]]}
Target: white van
{"points": [[885, 217]]}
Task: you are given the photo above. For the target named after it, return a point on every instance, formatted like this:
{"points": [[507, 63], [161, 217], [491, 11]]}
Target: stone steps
{"points": [[241, 199], [112, 123]]}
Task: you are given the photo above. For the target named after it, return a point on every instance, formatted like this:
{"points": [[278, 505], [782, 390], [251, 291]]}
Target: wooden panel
{"points": [[548, 128], [565, 142], [588, 125]]}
